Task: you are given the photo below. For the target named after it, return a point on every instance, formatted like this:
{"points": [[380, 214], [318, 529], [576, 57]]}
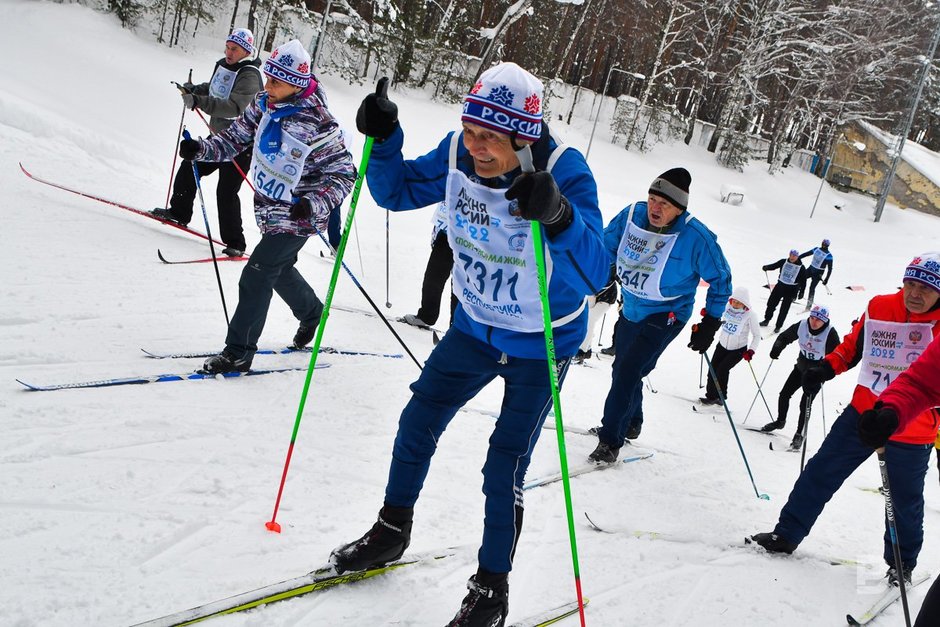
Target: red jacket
{"points": [[917, 389], [922, 429]]}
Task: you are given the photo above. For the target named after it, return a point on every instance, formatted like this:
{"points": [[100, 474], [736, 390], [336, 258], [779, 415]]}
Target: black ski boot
{"points": [[384, 543], [773, 426], [773, 543], [704, 400], [892, 575], [797, 442], [487, 603], [634, 431], [604, 454], [225, 362], [303, 336], [167, 215]]}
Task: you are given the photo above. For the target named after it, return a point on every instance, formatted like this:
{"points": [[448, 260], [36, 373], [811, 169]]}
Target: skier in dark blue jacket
{"points": [[662, 252], [497, 328]]}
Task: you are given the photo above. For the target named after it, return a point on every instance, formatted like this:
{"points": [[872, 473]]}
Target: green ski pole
{"points": [[525, 160], [272, 524]]}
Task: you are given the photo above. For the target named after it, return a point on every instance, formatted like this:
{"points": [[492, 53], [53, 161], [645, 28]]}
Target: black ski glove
{"points": [[703, 333], [540, 199], [765, 268], [876, 425], [815, 376], [775, 350], [377, 116], [608, 294], [301, 210], [190, 149]]}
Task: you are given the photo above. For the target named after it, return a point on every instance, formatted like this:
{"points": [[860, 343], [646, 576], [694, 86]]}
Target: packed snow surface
{"points": [[119, 505]]}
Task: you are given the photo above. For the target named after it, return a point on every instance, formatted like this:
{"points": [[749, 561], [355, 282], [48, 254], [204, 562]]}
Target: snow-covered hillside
{"points": [[119, 505]]}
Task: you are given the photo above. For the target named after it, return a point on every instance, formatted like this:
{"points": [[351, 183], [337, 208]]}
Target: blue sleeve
{"points": [[399, 185], [712, 266], [581, 244]]}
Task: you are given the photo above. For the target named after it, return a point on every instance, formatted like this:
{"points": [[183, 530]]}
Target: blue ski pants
{"points": [[458, 368], [838, 457], [637, 347], [270, 269]]}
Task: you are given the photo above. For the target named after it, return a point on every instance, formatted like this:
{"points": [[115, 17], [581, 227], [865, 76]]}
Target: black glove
{"points": [[876, 425], [377, 116], [775, 350], [301, 210], [703, 333], [815, 376], [189, 87], [540, 199], [189, 148], [608, 293], [765, 268], [189, 101]]}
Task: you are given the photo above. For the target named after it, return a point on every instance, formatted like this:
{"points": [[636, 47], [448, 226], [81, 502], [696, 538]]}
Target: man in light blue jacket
{"points": [[497, 327], [662, 252]]}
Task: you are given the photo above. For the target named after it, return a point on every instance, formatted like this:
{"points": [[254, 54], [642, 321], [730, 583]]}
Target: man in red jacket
{"points": [[893, 332], [914, 392]]}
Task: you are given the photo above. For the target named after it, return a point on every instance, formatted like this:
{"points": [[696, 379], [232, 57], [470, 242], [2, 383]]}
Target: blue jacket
{"points": [[695, 255], [580, 265]]}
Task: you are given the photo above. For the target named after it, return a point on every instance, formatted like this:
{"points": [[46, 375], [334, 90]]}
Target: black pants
{"points": [[812, 277], [723, 361], [793, 383], [226, 196], [436, 274], [929, 614], [783, 294]]}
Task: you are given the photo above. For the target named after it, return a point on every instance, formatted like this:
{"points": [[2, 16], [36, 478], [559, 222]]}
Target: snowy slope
{"points": [[119, 505]]}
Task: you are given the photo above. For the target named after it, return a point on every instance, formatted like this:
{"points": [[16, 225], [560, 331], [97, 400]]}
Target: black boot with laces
{"points": [[225, 362], [384, 543], [487, 603]]}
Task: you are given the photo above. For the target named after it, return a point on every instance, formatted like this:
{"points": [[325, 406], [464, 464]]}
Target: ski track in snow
{"points": [[124, 504]]}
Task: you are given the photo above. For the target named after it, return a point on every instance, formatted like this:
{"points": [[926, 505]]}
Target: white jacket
{"points": [[738, 324]]}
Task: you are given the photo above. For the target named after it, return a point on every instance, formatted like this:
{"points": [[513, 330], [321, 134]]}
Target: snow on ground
{"points": [[120, 505]]}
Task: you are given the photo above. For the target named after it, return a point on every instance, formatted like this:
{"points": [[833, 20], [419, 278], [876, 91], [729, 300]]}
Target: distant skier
{"points": [[791, 281], [598, 304], [816, 338], [820, 263], [498, 328], [738, 339], [301, 170], [894, 330], [235, 81], [913, 393], [436, 274], [662, 253]]}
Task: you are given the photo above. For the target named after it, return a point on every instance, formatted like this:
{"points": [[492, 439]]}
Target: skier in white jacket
{"points": [[738, 338]]}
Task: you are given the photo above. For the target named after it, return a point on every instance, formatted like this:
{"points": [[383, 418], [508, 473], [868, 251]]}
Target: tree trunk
{"points": [[231, 26]]}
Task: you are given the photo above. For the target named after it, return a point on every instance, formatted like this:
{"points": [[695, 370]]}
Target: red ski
{"points": [[146, 214], [205, 260]]}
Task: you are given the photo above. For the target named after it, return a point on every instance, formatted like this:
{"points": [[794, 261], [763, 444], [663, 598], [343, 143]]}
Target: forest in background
{"points": [[791, 72]]}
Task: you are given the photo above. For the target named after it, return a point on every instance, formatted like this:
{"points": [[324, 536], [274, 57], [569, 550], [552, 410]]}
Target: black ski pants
{"points": [[793, 383], [723, 361], [438, 270], [813, 277], [784, 295], [226, 196]]}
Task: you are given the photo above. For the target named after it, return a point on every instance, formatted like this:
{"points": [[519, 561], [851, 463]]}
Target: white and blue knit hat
{"points": [[244, 38], [289, 63], [925, 269], [506, 99], [820, 312]]}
